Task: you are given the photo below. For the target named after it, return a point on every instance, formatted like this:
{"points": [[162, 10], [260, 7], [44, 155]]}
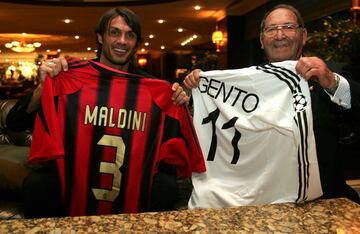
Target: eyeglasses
{"points": [[287, 29], [115, 32]]}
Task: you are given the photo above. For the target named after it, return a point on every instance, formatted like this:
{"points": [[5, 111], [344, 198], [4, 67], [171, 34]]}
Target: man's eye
{"points": [[114, 33], [131, 35], [289, 26]]}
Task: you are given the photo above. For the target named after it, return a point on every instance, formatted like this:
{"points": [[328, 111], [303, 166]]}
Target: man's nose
{"points": [[121, 38], [279, 33]]}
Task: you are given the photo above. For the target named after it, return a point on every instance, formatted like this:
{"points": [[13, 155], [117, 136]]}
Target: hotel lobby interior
{"points": [[178, 36]]}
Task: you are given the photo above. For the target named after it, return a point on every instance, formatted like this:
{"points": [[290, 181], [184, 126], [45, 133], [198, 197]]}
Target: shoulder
{"points": [[135, 70]]}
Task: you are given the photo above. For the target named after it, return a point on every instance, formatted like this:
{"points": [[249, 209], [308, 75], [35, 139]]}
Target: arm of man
{"points": [[336, 86], [182, 92], [22, 115], [51, 67]]}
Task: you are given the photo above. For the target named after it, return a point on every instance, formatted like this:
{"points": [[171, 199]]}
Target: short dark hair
{"points": [[130, 18], [299, 18]]}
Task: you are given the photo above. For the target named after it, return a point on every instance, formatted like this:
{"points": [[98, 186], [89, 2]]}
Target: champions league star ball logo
{"points": [[299, 101]]}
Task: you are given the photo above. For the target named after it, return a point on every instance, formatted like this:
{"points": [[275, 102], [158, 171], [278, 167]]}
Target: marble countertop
{"points": [[322, 216]]}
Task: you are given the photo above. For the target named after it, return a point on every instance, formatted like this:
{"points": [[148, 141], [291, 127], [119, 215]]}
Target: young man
{"points": [[118, 36], [282, 37]]}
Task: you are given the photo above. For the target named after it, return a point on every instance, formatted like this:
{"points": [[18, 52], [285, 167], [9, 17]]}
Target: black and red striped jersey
{"points": [[109, 131]]}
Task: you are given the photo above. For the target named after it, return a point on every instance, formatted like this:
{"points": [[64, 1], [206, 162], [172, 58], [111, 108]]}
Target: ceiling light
{"points": [[180, 29], [151, 36], [197, 7], [162, 47], [67, 21], [188, 40], [146, 43], [160, 21], [89, 48], [22, 46], [142, 50], [58, 50], [47, 51], [76, 37]]}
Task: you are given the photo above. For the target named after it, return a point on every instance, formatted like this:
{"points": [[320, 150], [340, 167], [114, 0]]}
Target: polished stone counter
{"points": [[322, 216]]}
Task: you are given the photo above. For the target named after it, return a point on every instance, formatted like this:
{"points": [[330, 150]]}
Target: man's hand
{"points": [[52, 67], [192, 79], [179, 96], [314, 68]]}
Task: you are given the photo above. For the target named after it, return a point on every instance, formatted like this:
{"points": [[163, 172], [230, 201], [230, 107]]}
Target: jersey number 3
{"points": [[111, 168]]}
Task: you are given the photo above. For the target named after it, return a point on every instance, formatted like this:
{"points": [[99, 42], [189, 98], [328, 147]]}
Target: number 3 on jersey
{"points": [[111, 168]]}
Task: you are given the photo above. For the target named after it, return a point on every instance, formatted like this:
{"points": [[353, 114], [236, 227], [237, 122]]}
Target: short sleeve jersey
{"points": [[255, 129], [109, 131]]}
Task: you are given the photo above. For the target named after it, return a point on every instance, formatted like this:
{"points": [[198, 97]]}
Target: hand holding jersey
{"points": [[255, 129]]}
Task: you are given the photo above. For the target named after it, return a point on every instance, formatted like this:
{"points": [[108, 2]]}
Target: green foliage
{"points": [[338, 40]]}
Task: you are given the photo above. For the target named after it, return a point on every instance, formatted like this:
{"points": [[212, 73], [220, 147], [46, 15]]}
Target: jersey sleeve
{"points": [[47, 142], [179, 145]]}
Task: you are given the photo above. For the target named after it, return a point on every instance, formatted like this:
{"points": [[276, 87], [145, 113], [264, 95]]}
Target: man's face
{"points": [[119, 43], [285, 39]]}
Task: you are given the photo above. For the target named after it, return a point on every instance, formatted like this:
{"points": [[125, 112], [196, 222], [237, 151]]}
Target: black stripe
{"points": [[130, 104], [96, 152], [70, 126], [75, 62], [302, 159], [288, 83], [307, 164], [150, 151], [300, 177], [291, 75], [190, 123], [113, 73]]}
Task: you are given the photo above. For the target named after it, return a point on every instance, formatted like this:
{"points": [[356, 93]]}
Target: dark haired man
{"points": [[118, 36], [282, 37]]}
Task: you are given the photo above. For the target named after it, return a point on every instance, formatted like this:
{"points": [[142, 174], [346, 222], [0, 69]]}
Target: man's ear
{"points": [[100, 39], [261, 42], [304, 36]]}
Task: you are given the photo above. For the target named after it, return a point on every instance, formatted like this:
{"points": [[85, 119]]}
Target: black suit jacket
{"points": [[328, 117]]}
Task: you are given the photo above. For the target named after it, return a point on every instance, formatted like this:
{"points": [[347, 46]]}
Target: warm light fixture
{"points": [[355, 5], [197, 7], [22, 46], [217, 38], [355, 8], [142, 61]]}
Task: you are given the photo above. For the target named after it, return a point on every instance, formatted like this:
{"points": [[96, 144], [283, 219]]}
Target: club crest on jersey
{"points": [[299, 102]]}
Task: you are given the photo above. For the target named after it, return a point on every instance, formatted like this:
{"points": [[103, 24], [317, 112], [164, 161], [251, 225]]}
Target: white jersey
{"points": [[255, 129]]}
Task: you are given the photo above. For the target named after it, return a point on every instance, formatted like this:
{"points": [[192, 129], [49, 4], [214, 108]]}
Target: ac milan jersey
{"points": [[109, 130], [255, 129]]}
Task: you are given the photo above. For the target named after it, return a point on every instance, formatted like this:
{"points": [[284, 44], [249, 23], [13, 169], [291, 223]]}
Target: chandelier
{"points": [[22, 46], [218, 38]]}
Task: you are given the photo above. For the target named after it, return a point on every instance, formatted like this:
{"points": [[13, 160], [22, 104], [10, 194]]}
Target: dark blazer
{"points": [[328, 117]]}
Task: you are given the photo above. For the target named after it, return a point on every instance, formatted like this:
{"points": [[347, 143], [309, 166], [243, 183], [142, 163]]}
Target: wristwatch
{"points": [[337, 81]]}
